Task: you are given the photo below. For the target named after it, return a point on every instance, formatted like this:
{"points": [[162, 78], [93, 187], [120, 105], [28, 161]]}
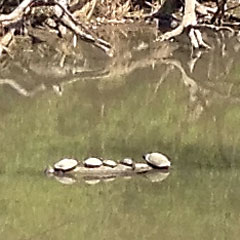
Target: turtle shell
{"points": [[127, 161], [109, 163], [157, 160], [93, 162], [65, 164]]}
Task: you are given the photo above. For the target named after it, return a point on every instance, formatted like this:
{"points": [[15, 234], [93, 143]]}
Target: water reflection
{"points": [[156, 99], [68, 179]]}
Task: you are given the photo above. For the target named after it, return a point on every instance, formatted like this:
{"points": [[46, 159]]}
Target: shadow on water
{"points": [[149, 97]]}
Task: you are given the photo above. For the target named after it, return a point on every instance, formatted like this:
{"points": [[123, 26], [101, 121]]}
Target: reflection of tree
{"points": [[201, 95], [22, 91], [194, 90], [28, 76]]}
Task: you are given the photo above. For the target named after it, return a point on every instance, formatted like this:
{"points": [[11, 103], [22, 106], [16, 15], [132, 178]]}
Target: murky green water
{"points": [[141, 103]]}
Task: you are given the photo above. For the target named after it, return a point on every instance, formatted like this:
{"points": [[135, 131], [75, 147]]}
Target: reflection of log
{"points": [[153, 175], [189, 82], [201, 96], [111, 73], [194, 90], [20, 89]]}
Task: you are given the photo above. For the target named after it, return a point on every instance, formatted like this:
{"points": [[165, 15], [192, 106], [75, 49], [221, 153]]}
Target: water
{"points": [[138, 102]]}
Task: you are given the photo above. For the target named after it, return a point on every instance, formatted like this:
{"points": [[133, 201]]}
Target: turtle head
{"points": [[145, 156], [49, 171]]}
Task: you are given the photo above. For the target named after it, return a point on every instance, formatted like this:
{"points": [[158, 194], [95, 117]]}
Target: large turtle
{"points": [[157, 160], [65, 164]]}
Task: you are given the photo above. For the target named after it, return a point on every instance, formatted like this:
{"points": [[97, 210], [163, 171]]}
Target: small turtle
{"points": [[128, 162], [109, 163], [142, 167], [157, 160], [93, 162], [65, 164]]}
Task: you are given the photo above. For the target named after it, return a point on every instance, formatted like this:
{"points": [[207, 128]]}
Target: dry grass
{"points": [[112, 10]]}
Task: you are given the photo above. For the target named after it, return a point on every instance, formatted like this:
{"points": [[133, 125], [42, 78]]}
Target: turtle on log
{"points": [[128, 162], [65, 164], [157, 160], [93, 162]]}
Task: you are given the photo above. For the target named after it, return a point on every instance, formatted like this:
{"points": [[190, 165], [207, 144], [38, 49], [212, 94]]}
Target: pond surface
{"points": [[151, 97]]}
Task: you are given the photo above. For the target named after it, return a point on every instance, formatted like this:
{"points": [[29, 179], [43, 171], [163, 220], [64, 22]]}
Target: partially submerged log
{"points": [[70, 169], [104, 173]]}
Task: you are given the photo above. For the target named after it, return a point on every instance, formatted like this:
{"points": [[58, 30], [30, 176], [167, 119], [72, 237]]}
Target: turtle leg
{"points": [[133, 166], [59, 173]]}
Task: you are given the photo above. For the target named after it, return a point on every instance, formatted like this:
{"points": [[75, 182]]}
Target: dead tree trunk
{"points": [[189, 21]]}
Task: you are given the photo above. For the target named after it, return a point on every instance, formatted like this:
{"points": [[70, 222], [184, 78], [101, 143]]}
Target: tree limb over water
{"points": [[85, 18], [10, 21]]}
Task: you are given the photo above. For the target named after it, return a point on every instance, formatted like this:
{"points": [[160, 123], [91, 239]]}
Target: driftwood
{"points": [[189, 21], [210, 17], [70, 15], [11, 20]]}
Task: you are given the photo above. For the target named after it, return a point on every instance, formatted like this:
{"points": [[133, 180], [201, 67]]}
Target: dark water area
{"points": [[150, 97]]}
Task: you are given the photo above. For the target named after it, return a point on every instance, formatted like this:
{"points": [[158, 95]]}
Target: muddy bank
{"points": [[75, 20]]}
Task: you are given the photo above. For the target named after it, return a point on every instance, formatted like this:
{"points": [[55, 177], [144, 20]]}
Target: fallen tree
{"points": [[83, 19]]}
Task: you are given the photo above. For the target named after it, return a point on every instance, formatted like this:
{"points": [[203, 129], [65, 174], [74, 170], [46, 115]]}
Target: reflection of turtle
{"points": [[92, 181], [93, 162], [157, 160], [128, 162], [67, 180], [65, 164], [157, 176], [109, 163]]}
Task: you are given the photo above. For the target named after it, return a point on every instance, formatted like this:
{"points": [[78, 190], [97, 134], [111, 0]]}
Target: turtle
{"points": [[109, 163], [93, 162], [142, 167], [157, 160], [65, 164], [128, 162]]}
